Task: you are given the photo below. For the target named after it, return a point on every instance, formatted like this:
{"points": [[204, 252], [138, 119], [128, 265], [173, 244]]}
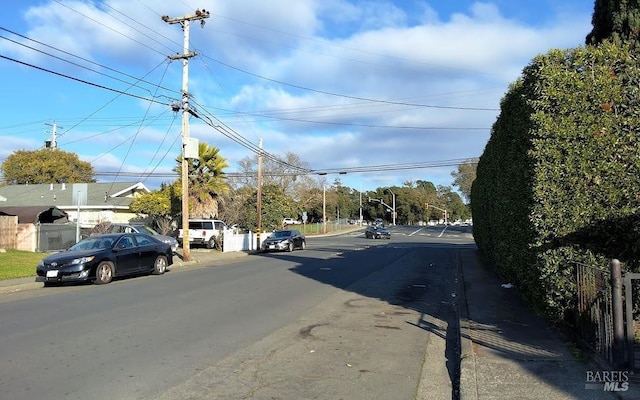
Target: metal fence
{"points": [[55, 237], [595, 309]]}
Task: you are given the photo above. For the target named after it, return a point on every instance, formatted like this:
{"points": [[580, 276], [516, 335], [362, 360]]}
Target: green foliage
{"points": [[464, 177], [45, 166], [559, 178], [207, 181], [276, 205], [159, 205], [614, 20]]}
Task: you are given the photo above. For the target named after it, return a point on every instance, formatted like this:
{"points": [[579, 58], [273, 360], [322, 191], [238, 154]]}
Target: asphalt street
{"points": [[346, 318]]}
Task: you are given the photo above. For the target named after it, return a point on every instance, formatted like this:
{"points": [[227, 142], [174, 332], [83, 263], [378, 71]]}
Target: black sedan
{"points": [[101, 258], [377, 232], [289, 240]]}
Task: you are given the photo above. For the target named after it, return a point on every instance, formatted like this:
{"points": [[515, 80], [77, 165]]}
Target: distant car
{"points": [[141, 228], [289, 239], [378, 222], [377, 232], [100, 258], [290, 221]]}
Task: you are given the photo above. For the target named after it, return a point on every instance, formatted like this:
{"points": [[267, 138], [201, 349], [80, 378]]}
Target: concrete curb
{"points": [[200, 257]]}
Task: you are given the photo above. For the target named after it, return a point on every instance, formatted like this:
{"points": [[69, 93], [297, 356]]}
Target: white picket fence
{"points": [[241, 241]]}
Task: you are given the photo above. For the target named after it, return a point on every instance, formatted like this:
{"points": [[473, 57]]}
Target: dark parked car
{"points": [[377, 232], [100, 258], [289, 240], [140, 228]]}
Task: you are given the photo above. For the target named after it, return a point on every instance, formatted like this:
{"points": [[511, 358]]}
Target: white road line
{"points": [[413, 233], [441, 233]]}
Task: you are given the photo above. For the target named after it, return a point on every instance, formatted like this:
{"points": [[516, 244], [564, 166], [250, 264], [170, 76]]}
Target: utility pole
{"points": [[184, 22], [259, 195], [53, 143], [324, 208]]}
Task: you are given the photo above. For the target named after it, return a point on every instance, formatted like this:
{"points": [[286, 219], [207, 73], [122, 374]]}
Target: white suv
{"points": [[204, 231], [290, 221]]}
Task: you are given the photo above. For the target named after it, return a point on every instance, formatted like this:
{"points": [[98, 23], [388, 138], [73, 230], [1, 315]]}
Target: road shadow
{"points": [[459, 298]]}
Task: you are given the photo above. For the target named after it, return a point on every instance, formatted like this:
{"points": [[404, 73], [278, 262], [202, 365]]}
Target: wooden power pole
{"points": [[184, 21]]}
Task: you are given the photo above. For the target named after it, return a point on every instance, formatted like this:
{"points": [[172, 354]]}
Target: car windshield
{"points": [[148, 230], [281, 234], [92, 243]]}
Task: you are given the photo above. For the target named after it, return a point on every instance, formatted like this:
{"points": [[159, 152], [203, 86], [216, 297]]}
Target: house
{"points": [[85, 203]]}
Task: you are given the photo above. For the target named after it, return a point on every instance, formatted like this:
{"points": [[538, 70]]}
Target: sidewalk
{"points": [[508, 352]]}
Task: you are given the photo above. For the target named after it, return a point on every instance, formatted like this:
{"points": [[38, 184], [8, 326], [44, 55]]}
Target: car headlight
{"points": [[83, 260]]}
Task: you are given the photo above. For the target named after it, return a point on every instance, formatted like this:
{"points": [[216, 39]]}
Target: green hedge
{"points": [[559, 179]]}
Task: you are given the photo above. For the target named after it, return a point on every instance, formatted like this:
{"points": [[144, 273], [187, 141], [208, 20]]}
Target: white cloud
{"points": [[381, 50]]}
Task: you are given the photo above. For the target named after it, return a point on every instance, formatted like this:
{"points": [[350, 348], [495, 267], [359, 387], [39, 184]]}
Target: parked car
{"points": [[141, 228], [289, 240], [377, 232], [203, 232], [100, 258], [290, 221]]}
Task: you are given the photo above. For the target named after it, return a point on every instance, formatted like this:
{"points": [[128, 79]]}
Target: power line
{"points": [[321, 172], [348, 96], [82, 80], [80, 58]]}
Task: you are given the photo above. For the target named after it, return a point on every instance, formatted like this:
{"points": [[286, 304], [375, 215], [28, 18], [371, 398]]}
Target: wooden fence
{"points": [[8, 231]]}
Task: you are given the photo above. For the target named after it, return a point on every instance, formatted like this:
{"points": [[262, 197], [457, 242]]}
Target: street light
{"points": [[393, 208]]}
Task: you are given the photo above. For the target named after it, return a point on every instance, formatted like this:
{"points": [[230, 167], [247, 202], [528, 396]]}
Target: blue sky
{"points": [[345, 85]]}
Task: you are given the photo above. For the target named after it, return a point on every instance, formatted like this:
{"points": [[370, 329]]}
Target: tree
{"points": [[453, 204], [159, 205], [206, 181], [275, 206], [46, 166], [616, 20], [288, 172], [464, 177]]}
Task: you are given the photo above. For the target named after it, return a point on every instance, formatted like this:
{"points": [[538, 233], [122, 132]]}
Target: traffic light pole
{"points": [[393, 209], [444, 212]]}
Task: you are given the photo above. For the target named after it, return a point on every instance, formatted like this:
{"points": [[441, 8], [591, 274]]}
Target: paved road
{"points": [[347, 318]]}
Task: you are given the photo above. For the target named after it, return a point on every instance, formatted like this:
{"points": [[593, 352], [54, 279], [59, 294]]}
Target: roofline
{"points": [[74, 208], [139, 186]]}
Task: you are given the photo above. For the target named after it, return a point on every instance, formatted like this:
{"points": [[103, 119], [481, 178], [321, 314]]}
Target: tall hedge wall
{"points": [[559, 179]]}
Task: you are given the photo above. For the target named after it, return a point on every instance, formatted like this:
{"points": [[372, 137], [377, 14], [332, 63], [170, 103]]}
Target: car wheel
{"points": [[104, 273], [290, 248], [160, 265], [303, 245], [211, 243]]}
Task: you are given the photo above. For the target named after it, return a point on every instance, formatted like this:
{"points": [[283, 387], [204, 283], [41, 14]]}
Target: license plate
{"points": [[52, 273], [272, 246]]}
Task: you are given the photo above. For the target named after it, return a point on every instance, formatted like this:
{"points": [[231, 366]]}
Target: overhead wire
{"points": [[236, 137], [80, 58]]}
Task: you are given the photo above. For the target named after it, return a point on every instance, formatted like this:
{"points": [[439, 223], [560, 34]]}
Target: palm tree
{"points": [[207, 181]]}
